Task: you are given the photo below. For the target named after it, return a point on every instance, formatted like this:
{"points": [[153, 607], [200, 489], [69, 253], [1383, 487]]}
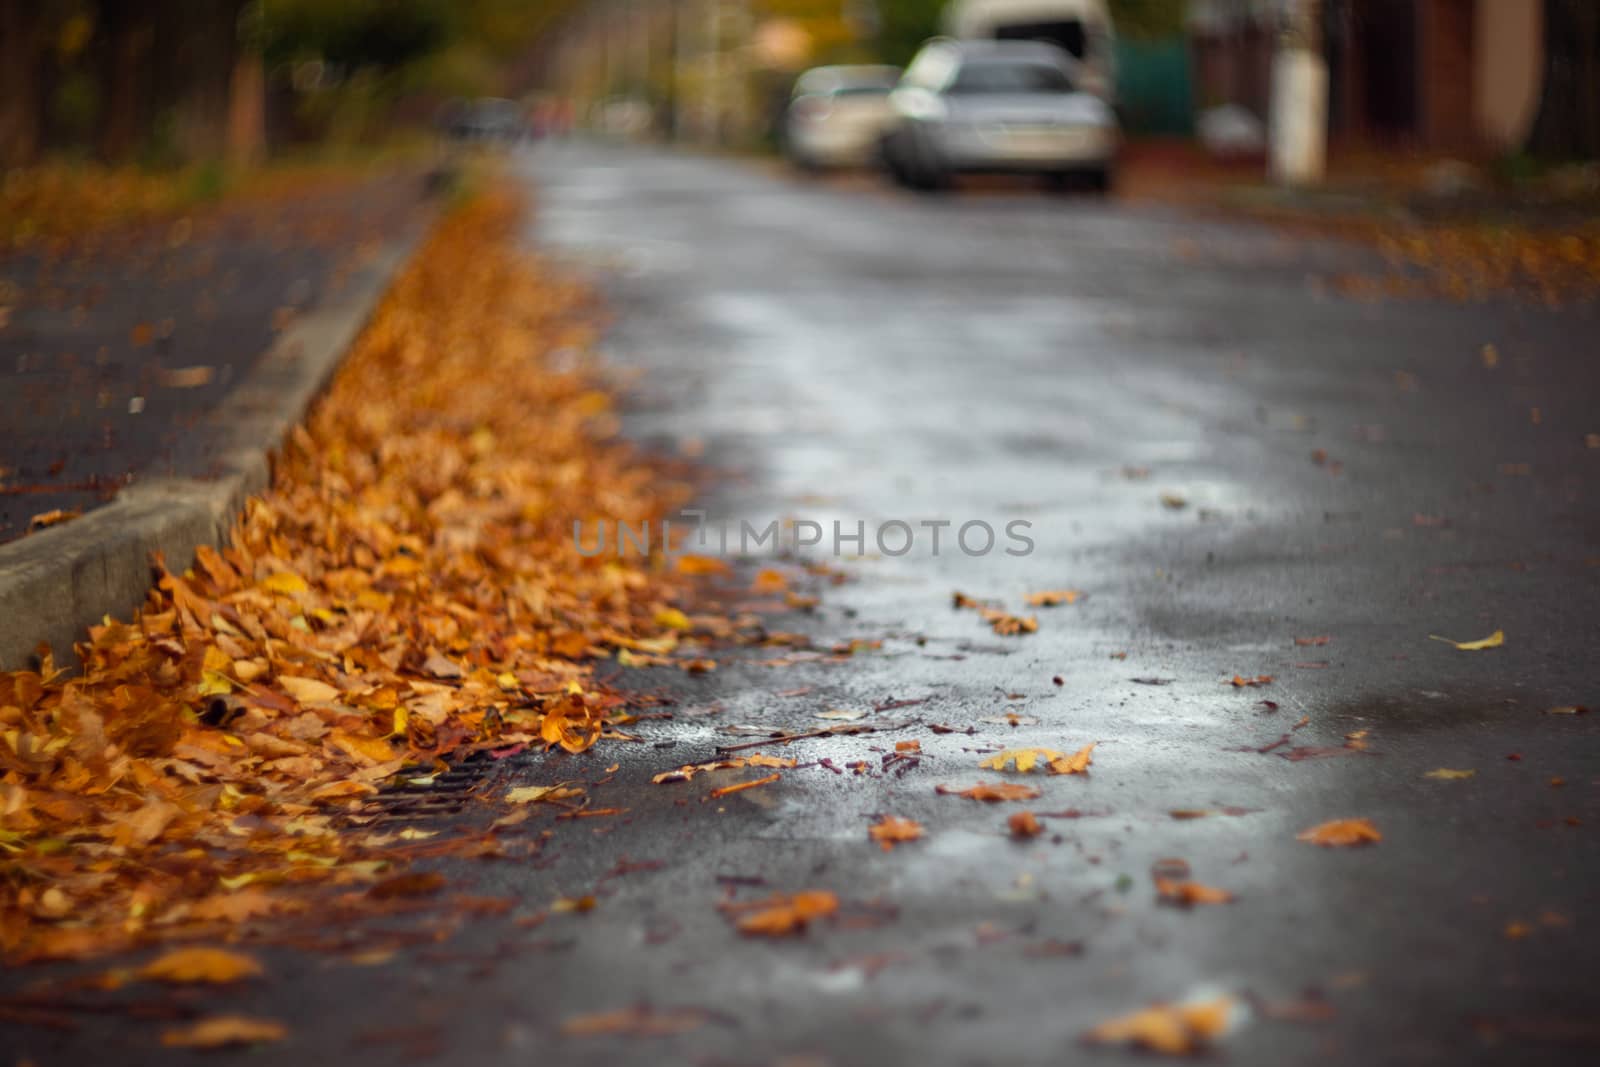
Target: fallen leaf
{"points": [[691, 564], [641, 1020], [1567, 709], [307, 690], [892, 830], [1052, 598], [993, 793], [1024, 824], [1077, 763], [1187, 894], [221, 1031], [1446, 774], [53, 517], [1010, 625], [1494, 640], [1342, 833], [781, 915], [1240, 682], [1170, 1029], [188, 966], [742, 786], [845, 714], [1022, 759], [185, 377], [533, 794]]}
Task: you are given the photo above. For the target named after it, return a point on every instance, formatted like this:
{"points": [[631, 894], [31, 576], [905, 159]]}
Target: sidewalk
{"points": [[115, 345], [154, 369], [1446, 228]]}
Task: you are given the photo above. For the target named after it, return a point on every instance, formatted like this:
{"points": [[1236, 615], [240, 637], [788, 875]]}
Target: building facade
{"points": [[1444, 75]]}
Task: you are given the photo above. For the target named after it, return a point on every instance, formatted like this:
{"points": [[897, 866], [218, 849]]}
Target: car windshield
{"points": [[1009, 77], [863, 90]]}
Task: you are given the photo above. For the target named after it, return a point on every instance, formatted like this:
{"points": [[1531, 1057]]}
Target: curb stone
{"points": [[57, 582]]}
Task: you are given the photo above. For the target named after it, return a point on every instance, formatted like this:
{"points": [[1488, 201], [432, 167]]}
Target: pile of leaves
{"points": [[407, 592]]}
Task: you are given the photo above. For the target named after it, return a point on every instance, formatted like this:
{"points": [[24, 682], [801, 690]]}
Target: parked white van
{"points": [[1083, 28]]}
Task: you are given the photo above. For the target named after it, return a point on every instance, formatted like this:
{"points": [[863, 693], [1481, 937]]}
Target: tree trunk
{"points": [[21, 69], [125, 76], [1568, 126], [247, 110], [206, 45]]}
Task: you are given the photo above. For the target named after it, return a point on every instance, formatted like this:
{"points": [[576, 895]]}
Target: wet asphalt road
{"points": [[870, 355], [861, 355]]}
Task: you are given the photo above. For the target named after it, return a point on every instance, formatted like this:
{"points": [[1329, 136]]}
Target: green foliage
{"points": [[386, 34], [903, 26]]}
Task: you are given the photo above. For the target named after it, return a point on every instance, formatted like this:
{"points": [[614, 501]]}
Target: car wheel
{"points": [[1100, 180]]}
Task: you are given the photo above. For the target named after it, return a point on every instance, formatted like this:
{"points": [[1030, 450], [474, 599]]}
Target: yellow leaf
{"points": [[219, 1031], [672, 619], [1025, 759], [1446, 774], [285, 582], [307, 690], [186, 966], [1494, 640], [530, 794]]}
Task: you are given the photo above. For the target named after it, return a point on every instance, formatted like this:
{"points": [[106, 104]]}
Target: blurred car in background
{"points": [[1081, 28], [998, 107], [625, 117], [837, 116], [485, 121]]}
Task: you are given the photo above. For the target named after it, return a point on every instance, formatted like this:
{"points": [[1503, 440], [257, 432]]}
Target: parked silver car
{"points": [[837, 116], [998, 107]]}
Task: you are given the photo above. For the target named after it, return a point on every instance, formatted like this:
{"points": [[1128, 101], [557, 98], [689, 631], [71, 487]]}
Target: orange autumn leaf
{"points": [[1187, 894], [1007, 625], [742, 786], [1077, 763], [1241, 682], [1169, 1029], [769, 581], [692, 564], [1053, 597], [892, 830], [1342, 833], [994, 793], [641, 1020], [1024, 824], [221, 1031], [189, 966], [781, 916]]}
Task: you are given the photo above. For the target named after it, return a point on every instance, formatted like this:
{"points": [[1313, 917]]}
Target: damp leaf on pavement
{"points": [[1494, 640], [1169, 1029], [1342, 833], [197, 965], [1022, 760], [223, 1031], [892, 830]]}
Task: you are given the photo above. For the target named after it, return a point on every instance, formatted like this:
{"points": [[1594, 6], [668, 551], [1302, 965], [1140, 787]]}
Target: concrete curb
{"points": [[56, 583]]}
